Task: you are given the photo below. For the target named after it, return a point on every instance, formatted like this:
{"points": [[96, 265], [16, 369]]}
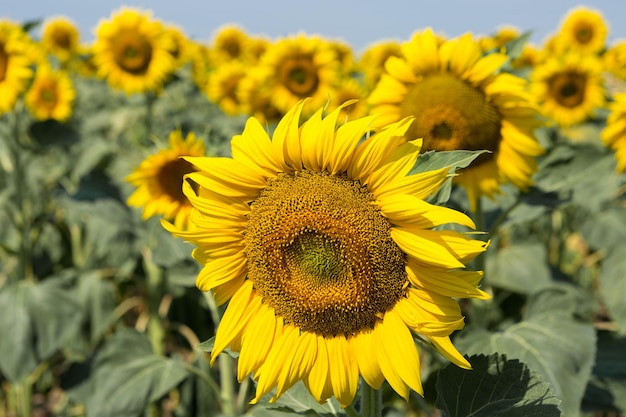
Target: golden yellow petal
{"points": [[220, 270], [236, 317], [347, 138], [286, 137], [318, 380], [399, 345], [364, 347], [447, 349], [256, 342], [254, 149], [458, 283], [425, 245], [398, 164], [404, 209], [419, 185], [344, 370]]}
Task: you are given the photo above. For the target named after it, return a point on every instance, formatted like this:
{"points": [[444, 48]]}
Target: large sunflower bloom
{"points": [[569, 87], [159, 180], [51, 96], [459, 101], [326, 250], [60, 37], [14, 65], [133, 52], [300, 67], [614, 134]]}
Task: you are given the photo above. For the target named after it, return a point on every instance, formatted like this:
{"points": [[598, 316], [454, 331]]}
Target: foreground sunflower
{"points": [[569, 87], [159, 180], [51, 96], [325, 248], [460, 101], [614, 134], [133, 52]]}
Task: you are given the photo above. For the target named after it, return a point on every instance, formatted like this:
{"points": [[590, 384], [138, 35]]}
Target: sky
{"points": [[357, 22]]}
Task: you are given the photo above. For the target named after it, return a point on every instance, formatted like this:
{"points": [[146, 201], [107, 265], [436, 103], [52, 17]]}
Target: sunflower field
{"points": [[246, 226]]}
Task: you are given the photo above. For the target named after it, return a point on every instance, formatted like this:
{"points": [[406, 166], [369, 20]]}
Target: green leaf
{"points": [[296, 401], [207, 345], [127, 376], [35, 322], [550, 341], [494, 386], [515, 47], [519, 268], [431, 160], [605, 229], [613, 284]]}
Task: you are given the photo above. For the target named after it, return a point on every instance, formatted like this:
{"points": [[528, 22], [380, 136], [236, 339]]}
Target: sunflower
{"points": [[14, 65], [201, 63], [255, 97], [133, 52], [503, 35], [615, 59], [569, 87], [614, 134], [372, 60], [325, 247], [159, 180], [349, 89], [229, 44], [460, 101], [222, 86], [182, 49], [301, 67], [60, 37], [51, 96], [583, 30]]}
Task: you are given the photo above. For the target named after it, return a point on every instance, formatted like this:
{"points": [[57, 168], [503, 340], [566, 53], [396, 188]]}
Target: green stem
{"points": [[155, 288], [480, 308], [227, 369], [371, 401], [22, 220], [24, 401], [150, 99]]}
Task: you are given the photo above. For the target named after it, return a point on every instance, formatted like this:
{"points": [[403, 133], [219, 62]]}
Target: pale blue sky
{"points": [[358, 22]]}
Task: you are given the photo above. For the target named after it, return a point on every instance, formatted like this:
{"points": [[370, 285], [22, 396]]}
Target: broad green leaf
{"points": [[605, 229], [613, 284], [296, 401], [515, 47], [551, 342], [127, 376], [97, 295], [35, 322], [494, 387], [431, 160], [519, 268]]}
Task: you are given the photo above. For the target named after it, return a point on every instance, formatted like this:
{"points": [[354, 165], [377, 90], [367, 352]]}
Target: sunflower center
{"points": [[584, 34], [132, 52], [170, 178], [48, 97], [320, 253], [299, 76], [450, 114], [568, 88], [62, 39], [4, 62]]}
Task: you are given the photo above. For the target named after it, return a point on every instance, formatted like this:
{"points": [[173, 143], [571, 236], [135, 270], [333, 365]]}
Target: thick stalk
{"points": [[371, 401], [228, 399]]}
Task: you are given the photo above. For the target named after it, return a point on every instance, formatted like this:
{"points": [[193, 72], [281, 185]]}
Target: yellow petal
{"points": [[419, 185], [318, 381], [221, 270], [409, 210], [253, 148], [344, 371], [364, 347], [256, 342], [347, 138], [426, 246], [447, 349]]}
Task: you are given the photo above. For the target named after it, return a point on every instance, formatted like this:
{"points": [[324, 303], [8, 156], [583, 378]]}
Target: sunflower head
{"points": [[133, 52], [51, 95], [614, 133], [60, 37], [569, 87], [372, 60], [15, 64], [229, 43], [582, 30], [254, 94], [322, 241], [160, 177], [300, 67], [223, 85], [460, 100], [181, 48]]}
